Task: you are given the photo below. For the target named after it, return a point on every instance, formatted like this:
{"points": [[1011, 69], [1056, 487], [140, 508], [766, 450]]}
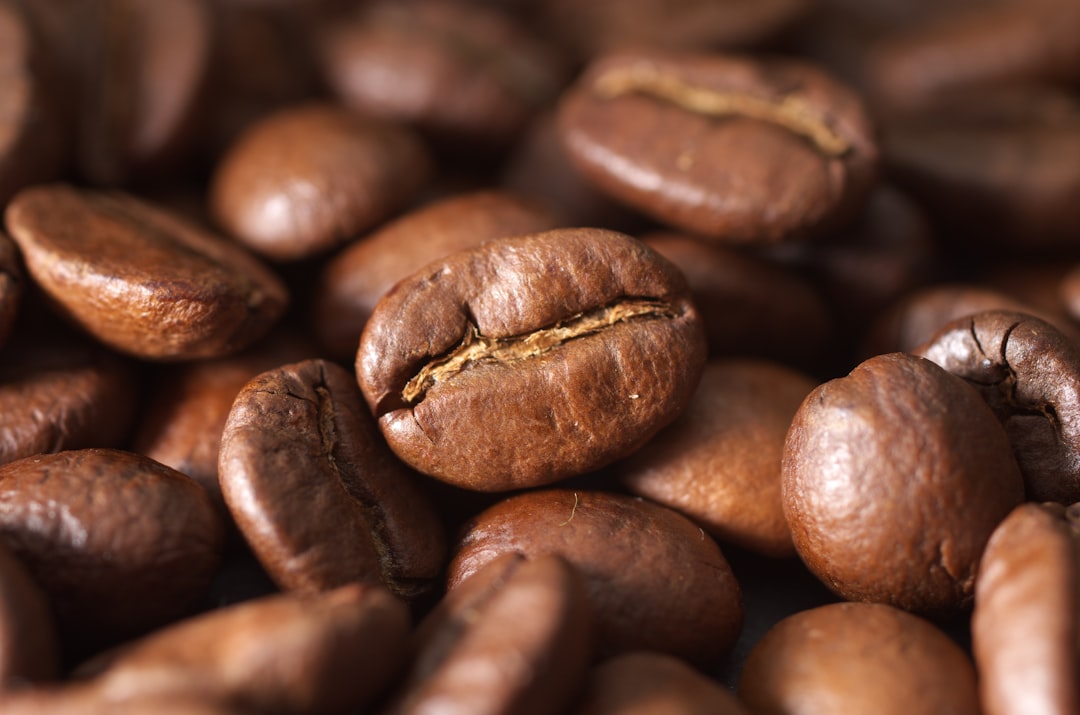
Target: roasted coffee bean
{"points": [[531, 359], [603, 26], [719, 462], [979, 46], [306, 179], [735, 149], [655, 580], [751, 307], [32, 148], [858, 658], [85, 700], [893, 478], [60, 392], [1026, 626], [142, 280], [119, 543], [185, 414], [542, 658], [354, 280], [29, 647], [458, 71], [327, 653], [1012, 185], [1029, 374], [142, 72], [917, 316], [648, 683], [315, 491]]}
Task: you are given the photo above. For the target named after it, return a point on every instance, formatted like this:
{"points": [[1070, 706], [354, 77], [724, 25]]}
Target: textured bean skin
{"points": [[315, 491], [1029, 373], [174, 291], [654, 579], [87, 520], [858, 658], [893, 478], [1025, 629], [537, 405]]}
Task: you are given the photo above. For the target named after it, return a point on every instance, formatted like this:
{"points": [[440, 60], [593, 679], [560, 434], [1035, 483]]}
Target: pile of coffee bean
{"points": [[540, 356]]}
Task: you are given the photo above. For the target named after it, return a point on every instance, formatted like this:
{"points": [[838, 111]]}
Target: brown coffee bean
{"points": [[654, 579], [62, 392], [738, 150], [142, 71], [915, 317], [1011, 185], [1025, 629], [33, 145], [531, 359], [306, 179], [719, 462], [185, 415], [142, 280], [29, 647], [750, 306], [354, 280], [893, 478], [120, 543], [458, 71], [648, 683], [1029, 374], [858, 658], [315, 653], [983, 45], [315, 491], [542, 658]]}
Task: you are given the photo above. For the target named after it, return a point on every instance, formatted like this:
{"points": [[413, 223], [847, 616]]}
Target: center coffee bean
{"points": [[531, 359]]}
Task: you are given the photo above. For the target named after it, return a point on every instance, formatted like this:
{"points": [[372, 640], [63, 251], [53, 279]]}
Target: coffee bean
{"points": [[1029, 374], [531, 359], [315, 491], [119, 543], [542, 659], [60, 392], [719, 462], [893, 479], [33, 146], [469, 73], [184, 416], [649, 683], [1026, 624], [354, 280], [142, 280], [983, 45], [142, 71], [858, 658], [750, 151], [328, 653], [303, 180], [654, 579]]}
